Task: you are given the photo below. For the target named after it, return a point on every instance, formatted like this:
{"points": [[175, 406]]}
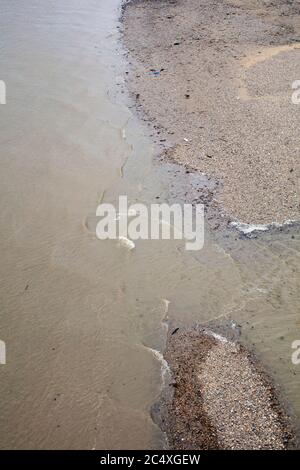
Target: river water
{"points": [[82, 318]]}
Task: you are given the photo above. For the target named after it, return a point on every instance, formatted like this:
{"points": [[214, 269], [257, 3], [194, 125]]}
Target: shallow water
{"points": [[79, 316]]}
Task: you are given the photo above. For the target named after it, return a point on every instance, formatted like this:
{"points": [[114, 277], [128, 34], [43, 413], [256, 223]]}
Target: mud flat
{"points": [[221, 398], [215, 79]]}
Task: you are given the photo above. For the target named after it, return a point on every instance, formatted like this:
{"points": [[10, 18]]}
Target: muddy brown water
{"points": [[82, 318]]}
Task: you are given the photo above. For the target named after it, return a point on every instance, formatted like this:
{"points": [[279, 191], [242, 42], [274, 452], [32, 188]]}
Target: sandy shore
{"points": [[215, 78], [221, 397]]}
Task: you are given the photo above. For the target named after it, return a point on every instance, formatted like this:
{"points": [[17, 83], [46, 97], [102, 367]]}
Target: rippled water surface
{"points": [[80, 316]]}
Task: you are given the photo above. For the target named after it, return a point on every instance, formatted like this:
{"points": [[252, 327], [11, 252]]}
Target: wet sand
{"points": [[216, 79]]}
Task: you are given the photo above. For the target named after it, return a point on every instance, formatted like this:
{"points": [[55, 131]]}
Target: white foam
{"points": [[250, 228], [165, 369], [234, 347], [218, 337], [166, 304]]}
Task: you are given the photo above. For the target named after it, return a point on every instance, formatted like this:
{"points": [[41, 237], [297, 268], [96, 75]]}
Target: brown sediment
{"points": [[222, 398], [215, 78], [187, 424]]}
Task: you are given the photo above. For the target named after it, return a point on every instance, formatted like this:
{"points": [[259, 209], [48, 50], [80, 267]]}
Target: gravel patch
{"points": [[222, 399]]}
